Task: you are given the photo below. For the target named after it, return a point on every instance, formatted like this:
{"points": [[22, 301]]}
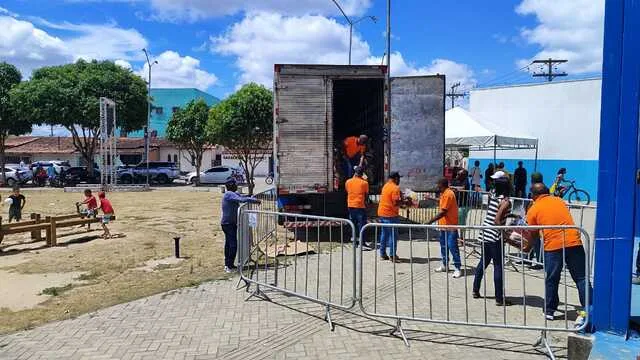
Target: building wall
{"points": [[73, 159], [183, 158], [261, 170], [563, 115], [167, 100]]}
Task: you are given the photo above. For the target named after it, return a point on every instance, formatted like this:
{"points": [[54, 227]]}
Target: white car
{"points": [[216, 175], [16, 176]]}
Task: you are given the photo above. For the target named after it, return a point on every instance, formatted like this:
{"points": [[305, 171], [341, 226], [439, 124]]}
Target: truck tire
{"points": [[163, 179], [11, 182], [126, 179]]}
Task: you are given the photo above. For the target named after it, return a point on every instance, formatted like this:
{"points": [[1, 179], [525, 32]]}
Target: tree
{"points": [[242, 123], [10, 122], [187, 129], [69, 95]]}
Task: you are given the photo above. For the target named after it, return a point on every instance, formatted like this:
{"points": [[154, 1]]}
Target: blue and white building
{"points": [[167, 101], [563, 115]]}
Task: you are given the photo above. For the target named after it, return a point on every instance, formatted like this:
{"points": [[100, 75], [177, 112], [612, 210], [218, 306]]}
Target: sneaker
{"points": [[504, 302], [384, 257], [582, 317], [476, 295], [536, 267], [366, 247], [550, 317], [457, 273], [228, 270], [395, 259], [442, 268]]}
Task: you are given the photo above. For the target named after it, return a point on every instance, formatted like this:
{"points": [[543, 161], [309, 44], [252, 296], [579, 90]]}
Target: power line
{"points": [[516, 74], [550, 63], [453, 95]]}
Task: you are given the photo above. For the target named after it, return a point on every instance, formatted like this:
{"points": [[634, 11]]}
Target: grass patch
{"points": [[88, 276], [56, 290]]}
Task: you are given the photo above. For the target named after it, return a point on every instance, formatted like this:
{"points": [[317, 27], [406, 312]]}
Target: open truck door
{"points": [[417, 130]]}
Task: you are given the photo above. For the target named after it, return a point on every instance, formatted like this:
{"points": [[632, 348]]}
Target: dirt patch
{"points": [[103, 272], [24, 291], [160, 264]]}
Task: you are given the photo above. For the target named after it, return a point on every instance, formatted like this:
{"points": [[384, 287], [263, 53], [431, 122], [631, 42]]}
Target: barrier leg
{"points": [[327, 317], [543, 341], [398, 329], [258, 294]]}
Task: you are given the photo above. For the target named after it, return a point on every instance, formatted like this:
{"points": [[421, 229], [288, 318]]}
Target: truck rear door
{"points": [[302, 132], [417, 130]]}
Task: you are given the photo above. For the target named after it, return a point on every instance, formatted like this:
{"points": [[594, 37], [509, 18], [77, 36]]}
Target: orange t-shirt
{"points": [[449, 204], [551, 210], [388, 198], [357, 189], [352, 148]]}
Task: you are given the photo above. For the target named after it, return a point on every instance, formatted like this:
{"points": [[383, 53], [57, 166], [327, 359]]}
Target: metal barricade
{"points": [[311, 257], [411, 289]]}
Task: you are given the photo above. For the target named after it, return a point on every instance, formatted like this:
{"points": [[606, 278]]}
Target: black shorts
{"points": [[15, 214]]}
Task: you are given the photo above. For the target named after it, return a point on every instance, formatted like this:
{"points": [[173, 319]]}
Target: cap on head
{"points": [[499, 175], [363, 139], [395, 175], [358, 170]]}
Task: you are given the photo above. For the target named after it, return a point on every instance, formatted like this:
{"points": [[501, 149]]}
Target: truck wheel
{"points": [[163, 179], [126, 179]]}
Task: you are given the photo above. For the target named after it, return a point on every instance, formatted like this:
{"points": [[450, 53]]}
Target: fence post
{"points": [[36, 234], [54, 240], [48, 231]]}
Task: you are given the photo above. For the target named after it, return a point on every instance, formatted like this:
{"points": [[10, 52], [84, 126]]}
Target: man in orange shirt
{"points": [[357, 193], [354, 148], [448, 215], [551, 210], [388, 212]]}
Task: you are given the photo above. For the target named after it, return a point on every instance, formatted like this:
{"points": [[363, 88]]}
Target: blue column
{"points": [[617, 166]]}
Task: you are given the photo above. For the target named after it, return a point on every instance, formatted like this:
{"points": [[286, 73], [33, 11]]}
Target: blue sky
{"points": [[217, 45]]}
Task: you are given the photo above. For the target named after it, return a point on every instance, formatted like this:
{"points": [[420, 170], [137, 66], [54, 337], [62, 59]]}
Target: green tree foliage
{"points": [[10, 121], [69, 95], [243, 124], [187, 129]]}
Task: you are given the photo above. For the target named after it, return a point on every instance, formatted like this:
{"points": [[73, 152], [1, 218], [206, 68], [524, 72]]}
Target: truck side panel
{"points": [[417, 130], [304, 154]]}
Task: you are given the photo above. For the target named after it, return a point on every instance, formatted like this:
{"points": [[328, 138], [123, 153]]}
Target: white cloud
{"points": [[123, 63], [28, 47], [263, 39], [194, 10], [173, 70], [571, 30]]}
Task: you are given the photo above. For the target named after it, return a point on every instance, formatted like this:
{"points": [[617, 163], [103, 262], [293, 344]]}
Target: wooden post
{"points": [[38, 233], [33, 233], [48, 231], [54, 240]]}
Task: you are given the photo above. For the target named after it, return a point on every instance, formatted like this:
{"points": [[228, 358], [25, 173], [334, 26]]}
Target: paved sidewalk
{"points": [[213, 321]]}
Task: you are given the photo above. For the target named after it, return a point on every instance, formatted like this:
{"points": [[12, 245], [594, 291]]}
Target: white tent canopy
{"points": [[464, 130]]}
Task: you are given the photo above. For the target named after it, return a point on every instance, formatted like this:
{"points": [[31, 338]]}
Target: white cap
{"points": [[498, 175]]}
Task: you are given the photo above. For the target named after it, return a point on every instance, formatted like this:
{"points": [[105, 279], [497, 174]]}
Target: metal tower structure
{"points": [[108, 144]]}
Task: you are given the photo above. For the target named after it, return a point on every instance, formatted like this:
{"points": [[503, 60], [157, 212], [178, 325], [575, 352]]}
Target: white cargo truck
{"points": [[317, 106]]}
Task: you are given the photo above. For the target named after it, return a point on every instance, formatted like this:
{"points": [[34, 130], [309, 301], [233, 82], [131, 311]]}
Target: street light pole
{"points": [[351, 24], [146, 130]]}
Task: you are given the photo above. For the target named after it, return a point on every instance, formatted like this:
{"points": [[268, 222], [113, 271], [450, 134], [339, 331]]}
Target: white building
{"points": [[563, 115]]}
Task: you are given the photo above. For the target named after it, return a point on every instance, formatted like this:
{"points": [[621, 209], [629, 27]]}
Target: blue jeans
{"points": [[491, 252], [359, 219], [449, 241], [389, 236], [553, 264], [349, 164], [230, 244]]}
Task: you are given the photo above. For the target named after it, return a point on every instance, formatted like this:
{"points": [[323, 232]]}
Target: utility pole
{"points": [[550, 75], [352, 23], [453, 95]]}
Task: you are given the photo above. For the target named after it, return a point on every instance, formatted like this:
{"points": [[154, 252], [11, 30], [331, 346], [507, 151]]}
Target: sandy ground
{"points": [[85, 273]]}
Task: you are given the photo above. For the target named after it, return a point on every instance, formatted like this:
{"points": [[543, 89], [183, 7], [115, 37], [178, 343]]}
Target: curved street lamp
{"points": [[352, 23], [146, 132]]}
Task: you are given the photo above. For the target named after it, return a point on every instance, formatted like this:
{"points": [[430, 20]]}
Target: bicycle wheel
{"points": [[579, 196], [269, 180]]}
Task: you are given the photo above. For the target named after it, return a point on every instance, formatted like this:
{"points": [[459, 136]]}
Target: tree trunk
{"points": [[251, 181], [197, 183]]}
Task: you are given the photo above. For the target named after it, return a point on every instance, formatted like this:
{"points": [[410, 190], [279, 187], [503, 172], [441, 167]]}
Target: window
{"points": [[175, 158], [220, 169], [158, 110], [168, 157], [175, 109]]}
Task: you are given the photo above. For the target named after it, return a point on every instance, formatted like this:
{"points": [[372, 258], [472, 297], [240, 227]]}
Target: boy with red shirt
{"points": [[108, 213], [92, 206]]}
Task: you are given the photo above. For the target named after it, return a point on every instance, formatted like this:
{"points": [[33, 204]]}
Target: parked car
{"points": [[57, 164], [216, 175], [16, 176], [80, 174], [159, 171]]}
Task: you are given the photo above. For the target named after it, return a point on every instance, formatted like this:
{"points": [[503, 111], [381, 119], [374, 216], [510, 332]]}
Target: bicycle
{"points": [[572, 193], [269, 179]]}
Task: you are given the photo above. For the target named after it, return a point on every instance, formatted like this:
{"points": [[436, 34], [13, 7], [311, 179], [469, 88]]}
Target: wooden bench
{"points": [[50, 225]]}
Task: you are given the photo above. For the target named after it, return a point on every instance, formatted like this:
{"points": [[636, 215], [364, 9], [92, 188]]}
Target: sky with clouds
{"points": [[218, 45]]}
